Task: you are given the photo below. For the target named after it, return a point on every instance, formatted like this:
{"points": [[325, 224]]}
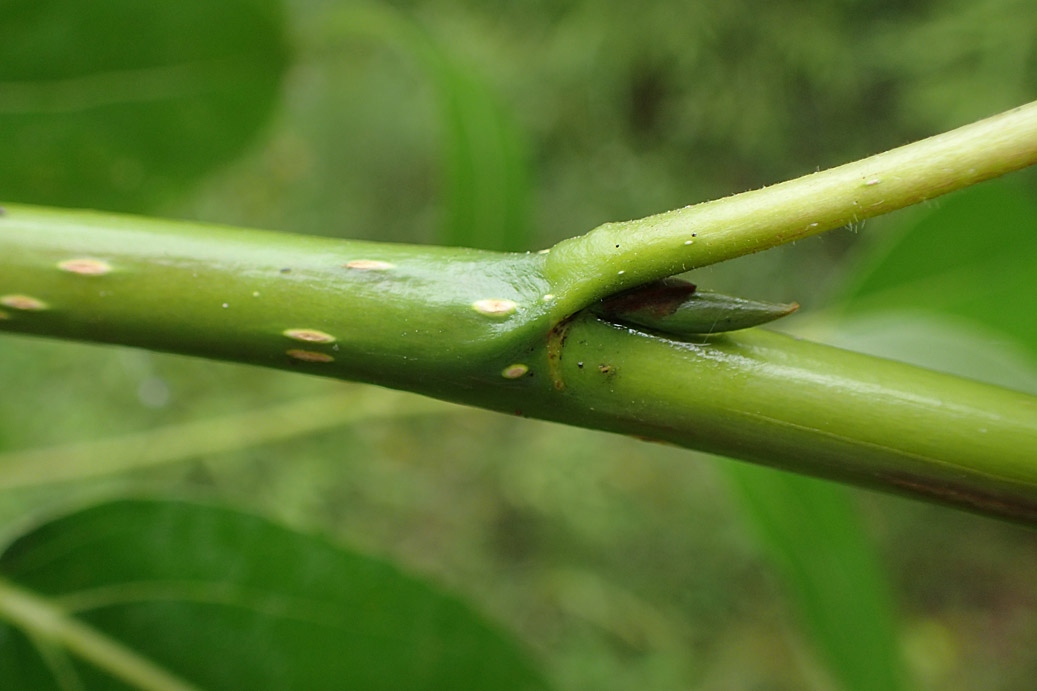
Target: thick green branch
{"points": [[506, 331], [810, 408]]}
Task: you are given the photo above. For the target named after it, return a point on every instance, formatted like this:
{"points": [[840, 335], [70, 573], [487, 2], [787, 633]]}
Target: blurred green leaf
{"points": [[971, 257], [119, 103], [224, 600], [484, 167], [952, 288], [966, 348], [963, 268]]}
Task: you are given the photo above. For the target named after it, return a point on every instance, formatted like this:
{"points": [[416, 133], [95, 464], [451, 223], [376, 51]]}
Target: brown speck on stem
{"points": [[23, 302], [368, 265], [309, 335], [659, 298], [555, 342], [514, 371], [493, 307], [309, 356], [85, 266]]}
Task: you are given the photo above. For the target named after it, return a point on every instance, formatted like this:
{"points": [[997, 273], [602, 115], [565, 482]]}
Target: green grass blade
{"points": [[484, 168], [813, 535]]}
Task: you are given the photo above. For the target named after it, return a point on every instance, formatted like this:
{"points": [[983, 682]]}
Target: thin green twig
{"points": [[617, 256]]}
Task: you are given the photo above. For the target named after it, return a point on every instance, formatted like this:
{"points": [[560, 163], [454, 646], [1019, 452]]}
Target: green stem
{"points": [[504, 331], [50, 624]]}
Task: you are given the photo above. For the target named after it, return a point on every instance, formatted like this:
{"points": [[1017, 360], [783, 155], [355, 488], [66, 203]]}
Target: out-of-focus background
{"points": [[620, 564]]}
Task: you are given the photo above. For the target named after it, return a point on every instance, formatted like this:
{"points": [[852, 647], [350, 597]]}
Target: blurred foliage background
{"points": [[620, 564]]}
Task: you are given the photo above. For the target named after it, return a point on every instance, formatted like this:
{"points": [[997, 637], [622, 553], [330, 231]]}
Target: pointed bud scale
{"points": [[675, 307]]}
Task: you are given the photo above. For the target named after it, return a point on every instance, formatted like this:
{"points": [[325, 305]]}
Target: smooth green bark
{"points": [[510, 332], [414, 322]]}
